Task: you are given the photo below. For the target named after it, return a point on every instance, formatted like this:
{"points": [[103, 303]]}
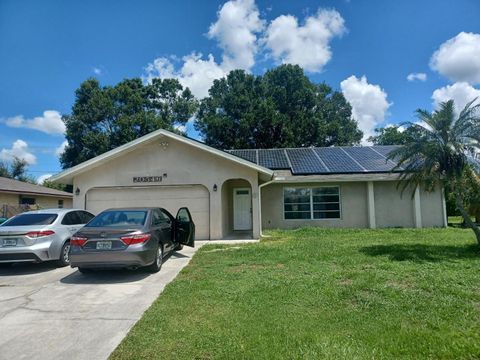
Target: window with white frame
{"points": [[311, 203]]}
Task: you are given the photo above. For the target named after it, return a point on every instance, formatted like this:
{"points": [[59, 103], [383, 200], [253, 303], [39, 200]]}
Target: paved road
{"points": [[58, 313]]}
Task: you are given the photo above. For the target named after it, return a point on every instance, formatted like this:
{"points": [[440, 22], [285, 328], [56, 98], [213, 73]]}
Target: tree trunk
{"points": [[466, 215]]}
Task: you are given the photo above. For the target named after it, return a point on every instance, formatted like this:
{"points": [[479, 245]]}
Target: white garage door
{"points": [[195, 197]]}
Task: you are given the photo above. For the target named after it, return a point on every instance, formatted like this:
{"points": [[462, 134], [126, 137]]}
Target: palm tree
{"points": [[441, 152]]}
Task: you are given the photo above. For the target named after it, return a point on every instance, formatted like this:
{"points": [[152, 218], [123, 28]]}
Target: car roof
{"points": [[52, 211], [146, 208]]}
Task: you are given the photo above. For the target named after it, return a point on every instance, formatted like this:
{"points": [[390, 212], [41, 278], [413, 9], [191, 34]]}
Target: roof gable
{"points": [[66, 176]]}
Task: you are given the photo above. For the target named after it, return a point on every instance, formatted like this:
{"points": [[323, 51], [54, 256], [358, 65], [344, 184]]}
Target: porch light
{"points": [[77, 191], [215, 187]]}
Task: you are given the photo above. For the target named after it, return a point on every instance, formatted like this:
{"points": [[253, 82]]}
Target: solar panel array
{"points": [[273, 159], [331, 160]]}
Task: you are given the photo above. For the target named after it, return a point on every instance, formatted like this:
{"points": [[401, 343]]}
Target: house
{"points": [[17, 196], [240, 192]]}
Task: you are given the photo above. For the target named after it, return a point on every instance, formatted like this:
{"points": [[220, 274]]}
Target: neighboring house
{"points": [[241, 192], [17, 196]]}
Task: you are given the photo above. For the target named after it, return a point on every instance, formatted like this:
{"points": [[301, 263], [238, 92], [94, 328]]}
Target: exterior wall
{"points": [[353, 202], [9, 199], [183, 164], [42, 201], [432, 208], [391, 209], [46, 202]]}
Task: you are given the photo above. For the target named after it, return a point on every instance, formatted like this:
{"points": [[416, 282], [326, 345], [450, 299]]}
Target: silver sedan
{"points": [[41, 235]]}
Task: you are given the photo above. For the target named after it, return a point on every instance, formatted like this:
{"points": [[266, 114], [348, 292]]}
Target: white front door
{"points": [[242, 205]]}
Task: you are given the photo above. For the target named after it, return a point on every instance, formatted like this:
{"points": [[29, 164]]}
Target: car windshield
{"points": [[120, 218], [31, 219]]}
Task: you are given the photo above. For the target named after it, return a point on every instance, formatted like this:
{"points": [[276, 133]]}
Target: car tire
{"points": [[178, 247], [84, 271], [157, 264], [64, 259]]}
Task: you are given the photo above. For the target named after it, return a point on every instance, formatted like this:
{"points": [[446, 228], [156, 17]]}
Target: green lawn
{"points": [[321, 293]]}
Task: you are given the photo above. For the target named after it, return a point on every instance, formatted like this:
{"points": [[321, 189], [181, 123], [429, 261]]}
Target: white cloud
{"points": [[460, 92], [42, 178], [235, 30], [59, 150], [97, 71], [19, 150], [196, 73], [50, 123], [369, 103], [459, 58], [307, 45], [417, 76]]}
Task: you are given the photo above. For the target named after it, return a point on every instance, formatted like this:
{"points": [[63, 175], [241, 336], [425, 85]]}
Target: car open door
{"points": [[185, 228]]}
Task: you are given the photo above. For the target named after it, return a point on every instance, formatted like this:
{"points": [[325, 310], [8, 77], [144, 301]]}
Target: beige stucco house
{"points": [[17, 196], [242, 192]]}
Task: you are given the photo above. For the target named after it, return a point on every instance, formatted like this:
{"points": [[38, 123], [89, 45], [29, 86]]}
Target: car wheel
{"points": [[178, 247], [64, 255], [157, 264]]}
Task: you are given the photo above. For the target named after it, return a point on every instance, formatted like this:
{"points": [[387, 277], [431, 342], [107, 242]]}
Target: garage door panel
{"points": [[172, 198]]}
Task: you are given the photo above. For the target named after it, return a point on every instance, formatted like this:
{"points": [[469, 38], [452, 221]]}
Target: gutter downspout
{"points": [[260, 204]]}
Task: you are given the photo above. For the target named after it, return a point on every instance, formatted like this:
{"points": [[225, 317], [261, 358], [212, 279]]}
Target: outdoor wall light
{"points": [[77, 191], [215, 187]]}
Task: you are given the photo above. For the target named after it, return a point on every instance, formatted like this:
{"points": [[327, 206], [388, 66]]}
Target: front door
{"points": [[184, 227], [242, 209]]}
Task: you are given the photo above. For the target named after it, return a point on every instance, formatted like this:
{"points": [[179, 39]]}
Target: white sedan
{"points": [[41, 235]]}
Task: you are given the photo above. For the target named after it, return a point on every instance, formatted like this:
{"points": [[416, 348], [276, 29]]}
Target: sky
{"points": [[388, 57]]}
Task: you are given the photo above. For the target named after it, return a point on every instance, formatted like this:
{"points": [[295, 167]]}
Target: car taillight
{"points": [[78, 240], [135, 238], [37, 234]]}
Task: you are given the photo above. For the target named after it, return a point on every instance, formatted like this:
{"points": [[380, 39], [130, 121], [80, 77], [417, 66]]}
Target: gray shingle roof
{"points": [[20, 187]]}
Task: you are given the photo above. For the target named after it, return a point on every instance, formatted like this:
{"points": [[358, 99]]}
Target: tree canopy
{"points": [[440, 152], [103, 118], [392, 135], [282, 108], [17, 170]]}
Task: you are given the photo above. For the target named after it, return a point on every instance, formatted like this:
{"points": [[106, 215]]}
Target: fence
{"points": [[9, 210]]}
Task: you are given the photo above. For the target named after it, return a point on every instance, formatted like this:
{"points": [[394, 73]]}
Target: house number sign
{"points": [[147, 179]]}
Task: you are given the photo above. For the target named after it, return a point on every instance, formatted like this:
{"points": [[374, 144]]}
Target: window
{"points": [[27, 201], [159, 218], [72, 218], [312, 203], [119, 218], [31, 219], [85, 216], [60, 204]]}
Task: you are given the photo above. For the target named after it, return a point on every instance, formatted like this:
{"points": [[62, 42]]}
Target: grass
{"points": [[321, 294]]}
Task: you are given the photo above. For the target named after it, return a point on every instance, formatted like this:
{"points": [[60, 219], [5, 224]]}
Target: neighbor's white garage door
{"points": [[195, 197]]}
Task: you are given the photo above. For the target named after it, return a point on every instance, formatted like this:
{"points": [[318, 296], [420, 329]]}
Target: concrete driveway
{"points": [[58, 313]]}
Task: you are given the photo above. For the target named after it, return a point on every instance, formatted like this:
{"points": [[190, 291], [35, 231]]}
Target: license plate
{"points": [[9, 242], [104, 245]]}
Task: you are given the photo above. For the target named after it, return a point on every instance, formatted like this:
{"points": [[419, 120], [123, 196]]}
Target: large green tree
{"points": [[392, 135], [282, 108], [104, 117], [440, 153], [16, 169]]}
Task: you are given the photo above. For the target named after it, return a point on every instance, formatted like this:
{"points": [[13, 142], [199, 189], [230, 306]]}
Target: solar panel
{"points": [[385, 149], [304, 161], [249, 155], [369, 159], [338, 161], [273, 159]]}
